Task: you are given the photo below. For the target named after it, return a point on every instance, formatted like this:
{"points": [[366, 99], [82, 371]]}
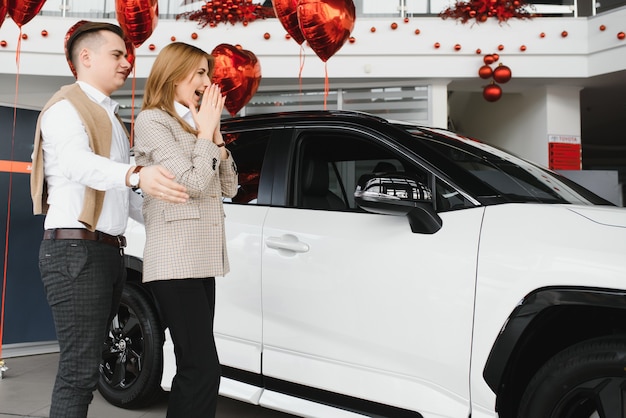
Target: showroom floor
{"points": [[27, 384]]}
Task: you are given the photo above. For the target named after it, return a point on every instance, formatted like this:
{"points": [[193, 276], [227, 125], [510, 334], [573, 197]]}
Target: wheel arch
{"points": [[545, 322]]}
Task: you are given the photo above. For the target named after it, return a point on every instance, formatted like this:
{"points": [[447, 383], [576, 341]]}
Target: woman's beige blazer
{"points": [[184, 240]]}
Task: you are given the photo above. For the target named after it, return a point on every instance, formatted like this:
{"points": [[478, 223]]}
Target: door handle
{"points": [[287, 242]]}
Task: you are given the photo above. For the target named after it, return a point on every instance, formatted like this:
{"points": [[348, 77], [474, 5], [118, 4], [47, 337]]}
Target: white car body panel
{"points": [[546, 245], [325, 313]]}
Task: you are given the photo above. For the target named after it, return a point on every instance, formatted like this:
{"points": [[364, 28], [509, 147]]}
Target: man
{"points": [[82, 180]]}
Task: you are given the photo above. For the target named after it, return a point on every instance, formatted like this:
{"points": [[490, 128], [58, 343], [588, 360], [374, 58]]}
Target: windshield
{"points": [[495, 176]]}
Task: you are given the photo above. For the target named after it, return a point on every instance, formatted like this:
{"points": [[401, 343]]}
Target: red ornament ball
{"points": [[492, 92], [194, 35], [3, 43], [522, 48], [417, 31], [621, 36], [44, 33], [478, 51], [542, 35], [500, 47], [24, 36], [602, 27], [352, 39], [373, 29], [394, 26], [485, 72], [457, 47], [496, 57], [502, 74], [173, 39], [266, 35], [287, 36], [564, 34], [152, 47], [406, 20], [489, 59], [437, 45]]}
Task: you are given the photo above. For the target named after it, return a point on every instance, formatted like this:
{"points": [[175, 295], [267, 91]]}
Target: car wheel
{"points": [[132, 359], [586, 380]]}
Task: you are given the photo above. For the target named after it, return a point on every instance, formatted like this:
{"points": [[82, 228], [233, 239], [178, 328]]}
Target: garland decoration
{"points": [[481, 10], [227, 11]]}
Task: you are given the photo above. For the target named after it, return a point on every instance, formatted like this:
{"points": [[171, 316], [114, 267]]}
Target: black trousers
{"points": [[83, 281], [188, 307]]}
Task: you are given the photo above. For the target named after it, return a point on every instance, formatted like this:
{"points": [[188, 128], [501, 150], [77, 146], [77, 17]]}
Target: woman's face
{"points": [[189, 91]]}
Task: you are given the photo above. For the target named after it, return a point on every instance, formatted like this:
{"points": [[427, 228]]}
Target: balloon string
{"points": [[301, 67], [326, 84], [132, 107], [10, 192]]}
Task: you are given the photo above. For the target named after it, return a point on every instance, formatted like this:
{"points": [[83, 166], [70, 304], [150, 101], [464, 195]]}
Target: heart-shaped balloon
{"points": [[326, 24], [130, 49], [138, 18], [238, 73], [22, 11], [3, 11], [287, 13]]}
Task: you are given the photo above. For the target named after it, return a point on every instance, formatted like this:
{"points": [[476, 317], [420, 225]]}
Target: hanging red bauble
{"points": [[326, 24], [522, 48], [502, 74], [194, 35], [602, 27], [137, 18], [437, 45], [489, 59], [173, 39], [352, 39], [266, 35], [542, 35], [394, 26], [373, 29], [492, 92], [44, 32], [478, 51], [406, 20], [152, 47], [3, 43], [22, 11], [496, 57], [417, 31], [485, 72], [564, 34], [24, 36], [287, 13], [457, 47], [621, 36]]}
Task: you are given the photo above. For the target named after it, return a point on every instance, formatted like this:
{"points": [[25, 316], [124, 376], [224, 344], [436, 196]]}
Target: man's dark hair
{"points": [[85, 28]]}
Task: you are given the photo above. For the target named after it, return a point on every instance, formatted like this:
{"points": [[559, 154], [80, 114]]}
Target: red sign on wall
{"points": [[564, 152]]}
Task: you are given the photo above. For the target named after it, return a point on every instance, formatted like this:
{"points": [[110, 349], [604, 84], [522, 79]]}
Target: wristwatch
{"points": [[133, 179]]}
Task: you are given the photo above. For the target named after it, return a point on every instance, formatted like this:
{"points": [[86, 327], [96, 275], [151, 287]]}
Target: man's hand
{"points": [[158, 182]]}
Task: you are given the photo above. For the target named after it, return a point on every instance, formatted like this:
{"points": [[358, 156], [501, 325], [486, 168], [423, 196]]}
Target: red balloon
{"points": [[287, 13], [138, 18], [492, 92], [22, 11], [502, 74], [3, 11], [130, 49], [326, 24], [238, 73]]}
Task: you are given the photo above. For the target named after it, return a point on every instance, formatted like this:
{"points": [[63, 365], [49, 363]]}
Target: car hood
{"points": [[605, 215]]}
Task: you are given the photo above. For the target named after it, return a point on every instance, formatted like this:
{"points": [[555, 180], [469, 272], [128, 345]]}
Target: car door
{"points": [[354, 302]]}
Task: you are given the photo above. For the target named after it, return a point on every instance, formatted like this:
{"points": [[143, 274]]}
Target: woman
{"points": [[179, 128]]}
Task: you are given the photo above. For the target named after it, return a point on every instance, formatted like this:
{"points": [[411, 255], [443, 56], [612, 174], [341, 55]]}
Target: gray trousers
{"points": [[83, 281]]}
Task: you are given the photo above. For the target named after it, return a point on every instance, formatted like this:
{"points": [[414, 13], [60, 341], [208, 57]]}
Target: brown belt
{"points": [[118, 241]]}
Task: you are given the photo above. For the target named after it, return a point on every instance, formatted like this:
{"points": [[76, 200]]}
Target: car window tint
{"points": [[329, 164], [248, 151]]}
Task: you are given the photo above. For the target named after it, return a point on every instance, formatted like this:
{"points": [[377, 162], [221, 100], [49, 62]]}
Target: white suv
{"points": [[380, 269]]}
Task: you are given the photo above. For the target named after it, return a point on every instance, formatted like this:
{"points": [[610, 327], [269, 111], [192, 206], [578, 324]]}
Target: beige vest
{"points": [[99, 130]]}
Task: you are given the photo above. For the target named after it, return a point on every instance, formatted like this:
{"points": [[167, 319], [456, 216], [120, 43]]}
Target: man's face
{"points": [[106, 66]]}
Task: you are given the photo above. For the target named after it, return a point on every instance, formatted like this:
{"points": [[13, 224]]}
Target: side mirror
{"points": [[399, 194]]}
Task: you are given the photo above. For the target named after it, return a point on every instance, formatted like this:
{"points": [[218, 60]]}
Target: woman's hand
{"points": [[208, 115]]}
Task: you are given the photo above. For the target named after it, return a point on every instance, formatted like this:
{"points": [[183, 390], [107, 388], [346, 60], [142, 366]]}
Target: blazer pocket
{"points": [[181, 212]]}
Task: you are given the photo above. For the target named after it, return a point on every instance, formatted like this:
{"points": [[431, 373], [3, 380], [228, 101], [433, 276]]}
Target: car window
{"points": [[248, 151], [329, 164]]}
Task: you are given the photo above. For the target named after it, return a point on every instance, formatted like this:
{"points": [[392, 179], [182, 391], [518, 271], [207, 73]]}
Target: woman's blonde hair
{"points": [[174, 63]]}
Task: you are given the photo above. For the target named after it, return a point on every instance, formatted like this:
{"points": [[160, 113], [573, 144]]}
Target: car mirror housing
{"points": [[401, 195]]}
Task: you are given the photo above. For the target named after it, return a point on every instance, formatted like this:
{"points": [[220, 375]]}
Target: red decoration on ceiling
{"points": [[481, 10], [492, 92], [502, 74], [621, 36], [228, 11], [238, 73]]}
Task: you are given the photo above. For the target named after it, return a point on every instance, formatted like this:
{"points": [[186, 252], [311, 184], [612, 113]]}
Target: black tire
{"points": [[132, 359], [585, 380]]}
